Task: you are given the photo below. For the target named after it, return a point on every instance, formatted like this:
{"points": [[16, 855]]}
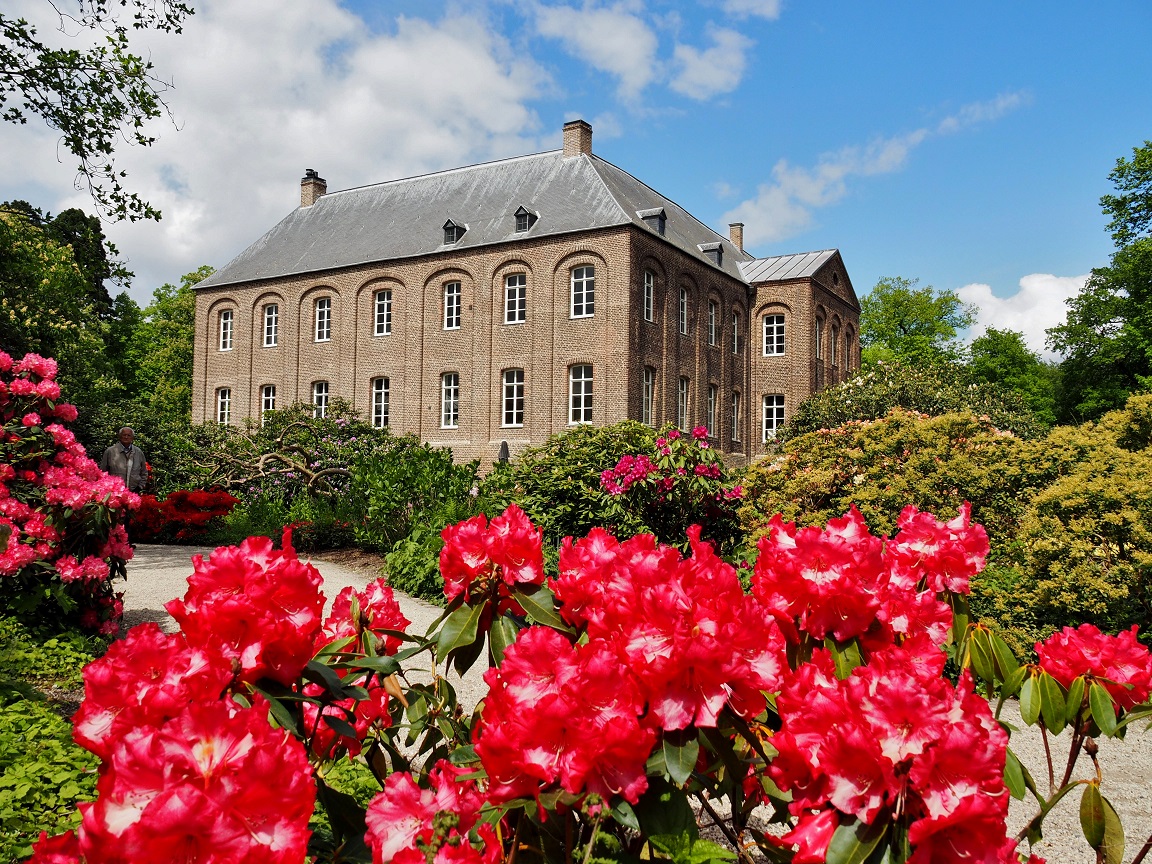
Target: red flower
{"points": [[1118, 663], [945, 554], [811, 836], [372, 610], [62, 849], [473, 550]]}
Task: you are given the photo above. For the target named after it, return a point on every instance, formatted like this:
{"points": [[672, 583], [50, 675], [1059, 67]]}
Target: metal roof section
{"points": [[405, 218], [781, 268]]}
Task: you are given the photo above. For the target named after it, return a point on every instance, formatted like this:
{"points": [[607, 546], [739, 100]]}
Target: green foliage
{"points": [[932, 390], [43, 776], [911, 325], [44, 659], [1002, 357], [1131, 210], [558, 483]]}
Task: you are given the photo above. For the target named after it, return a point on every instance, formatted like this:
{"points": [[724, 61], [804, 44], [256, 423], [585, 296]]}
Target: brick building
{"points": [[507, 301]]}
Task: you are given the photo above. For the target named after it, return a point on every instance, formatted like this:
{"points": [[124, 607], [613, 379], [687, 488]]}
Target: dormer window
{"points": [[525, 219], [453, 232], [654, 219], [714, 252]]}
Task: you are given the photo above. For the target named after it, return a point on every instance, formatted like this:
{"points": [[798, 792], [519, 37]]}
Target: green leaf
{"points": [[845, 656], [623, 813], [1051, 703], [465, 755], [1092, 815], [384, 665], [1012, 682], [502, 634], [1030, 700], [459, 629], [1113, 834], [980, 654], [540, 604], [1103, 711], [664, 809], [1075, 699], [682, 849], [347, 820], [680, 758], [284, 717], [1006, 662], [853, 842], [341, 727], [1014, 773]]}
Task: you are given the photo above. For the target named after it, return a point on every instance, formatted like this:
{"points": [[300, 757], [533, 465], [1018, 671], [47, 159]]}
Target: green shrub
{"points": [[44, 659], [932, 390], [43, 775]]}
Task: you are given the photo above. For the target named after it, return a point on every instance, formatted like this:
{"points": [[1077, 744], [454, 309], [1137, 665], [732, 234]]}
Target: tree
{"points": [[1107, 335], [92, 96], [916, 326], [1002, 357]]}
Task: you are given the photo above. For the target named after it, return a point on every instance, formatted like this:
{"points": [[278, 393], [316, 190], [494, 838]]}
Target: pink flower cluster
{"points": [[628, 471], [478, 557], [1118, 663]]}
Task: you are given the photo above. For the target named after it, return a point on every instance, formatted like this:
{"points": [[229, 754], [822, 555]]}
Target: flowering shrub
{"points": [[636, 681], [61, 532], [182, 516]]}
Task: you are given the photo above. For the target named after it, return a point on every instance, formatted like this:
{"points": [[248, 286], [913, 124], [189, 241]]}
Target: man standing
{"points": [[126, 461]]}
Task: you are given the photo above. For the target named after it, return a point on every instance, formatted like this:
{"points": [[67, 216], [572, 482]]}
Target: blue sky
{"points": [[966, 145]]}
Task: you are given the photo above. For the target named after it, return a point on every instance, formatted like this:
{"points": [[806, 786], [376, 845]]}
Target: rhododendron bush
{"points": [[62, 538], [637, 695], [182, 516]]}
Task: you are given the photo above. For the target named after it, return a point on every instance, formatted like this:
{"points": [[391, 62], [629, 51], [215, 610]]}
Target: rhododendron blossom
{"points": [[1118, 663], [478, 556], [376, 611]]}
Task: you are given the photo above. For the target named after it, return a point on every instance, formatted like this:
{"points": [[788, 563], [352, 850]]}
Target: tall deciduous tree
{"points": [[94, 96], [912, 325], [1003, 357]]}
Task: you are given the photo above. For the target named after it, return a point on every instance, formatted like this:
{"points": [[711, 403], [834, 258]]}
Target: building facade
{"points": [[502, 303]]}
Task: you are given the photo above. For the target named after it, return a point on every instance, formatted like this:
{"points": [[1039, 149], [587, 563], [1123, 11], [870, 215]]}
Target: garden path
{"points": [[157, 574]]}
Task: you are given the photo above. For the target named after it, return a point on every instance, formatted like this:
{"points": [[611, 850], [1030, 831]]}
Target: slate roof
{"points": [[405, 218], [783, 267]]}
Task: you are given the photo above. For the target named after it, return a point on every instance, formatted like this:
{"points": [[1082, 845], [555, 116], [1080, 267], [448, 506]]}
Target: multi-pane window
{"points": [[580, 394], [583, 292], [649, 295], [848, 348], [452, 303], [267, 401], [320, 399], [735, 332], [513, 397], [648, 397], [835, 343], [449, 400], [773, 334], [773, 415], [710, 419], [223, 405], [383, 310], [323, 319], [683, 310], [736, 416], [271, 325], [713, 316], [515, 298], [819, 339], [682, 403], [226, 321], [379, 404]]}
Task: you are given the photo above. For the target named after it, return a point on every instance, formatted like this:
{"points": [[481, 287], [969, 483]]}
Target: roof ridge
{"points": [[442, 172]]}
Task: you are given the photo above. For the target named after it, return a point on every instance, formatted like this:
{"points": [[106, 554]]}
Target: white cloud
{"points": [[785, 206], [1036, 306], [613, 39], [717, 69], [267, 88], [769, 9]]}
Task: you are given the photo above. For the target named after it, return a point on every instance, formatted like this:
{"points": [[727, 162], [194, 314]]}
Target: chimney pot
{"points": [[736, 234], [577, 138], [311, 188]]}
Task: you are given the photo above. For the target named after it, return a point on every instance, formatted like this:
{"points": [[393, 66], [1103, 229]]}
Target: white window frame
{"points": [[323, 319], [382, 312], [516, 298], [713, 314], [649, 295], [320, 396], [834, 344], [735, 415], [583, 292], [453, 305], [380, 397], [224, 405], [735, 332], [580, 382], [648, 397], [227, 319], [774, 335], [267, 401], [773, 420], [271, 325], [450, 400], [683, 402], [683, 311], [819, 334], [710, 418], [512, 416]]}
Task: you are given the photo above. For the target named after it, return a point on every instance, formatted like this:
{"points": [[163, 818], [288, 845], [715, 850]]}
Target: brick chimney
{"points": [[736, 234], [577, 138], [311, 188]]}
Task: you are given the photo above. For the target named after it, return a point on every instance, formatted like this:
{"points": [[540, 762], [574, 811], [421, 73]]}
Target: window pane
{"points": [[648, 397], [323, 319], [711, 417], [271, 325], [226, 330], [516, 298], [735, 416], [773, 334], [819, 339], [773, 415], [513, 397], [649, 298], [450, 400], [383, 324], [223, 405], [452, 302], [713, 313], [683, 310], [380, 395], [682, 404], [320, 399], [580, 394], [583, 292], [735, 332]]}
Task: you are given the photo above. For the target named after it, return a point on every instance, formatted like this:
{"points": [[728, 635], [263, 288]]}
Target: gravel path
{"points": [[157, 574]]}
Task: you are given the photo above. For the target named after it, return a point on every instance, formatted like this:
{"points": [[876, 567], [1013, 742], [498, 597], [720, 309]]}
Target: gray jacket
{"points": [[129, 466]]}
